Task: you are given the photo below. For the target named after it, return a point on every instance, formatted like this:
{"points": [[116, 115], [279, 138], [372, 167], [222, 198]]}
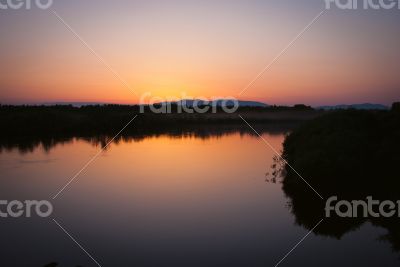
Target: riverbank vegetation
{"points": [[110, 119], [349, 154]]}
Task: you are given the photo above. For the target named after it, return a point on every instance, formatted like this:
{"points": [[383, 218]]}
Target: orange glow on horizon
{"points": [[173, 50]]}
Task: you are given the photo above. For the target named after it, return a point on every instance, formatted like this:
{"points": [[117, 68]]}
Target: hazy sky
{"points": [[205, 48]]}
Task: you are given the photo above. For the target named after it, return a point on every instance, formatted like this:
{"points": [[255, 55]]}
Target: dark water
{"points": [[167, 201]]}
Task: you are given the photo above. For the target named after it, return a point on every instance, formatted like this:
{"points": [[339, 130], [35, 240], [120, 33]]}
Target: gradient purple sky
{"points": [[203, 48]]}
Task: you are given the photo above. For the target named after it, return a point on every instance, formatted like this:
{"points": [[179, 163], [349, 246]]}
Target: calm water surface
{"points": [[167, 201]]}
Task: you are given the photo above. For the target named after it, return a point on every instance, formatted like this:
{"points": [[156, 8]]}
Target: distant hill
{"points": [[186, 102], [218, 103], [366, 106]]}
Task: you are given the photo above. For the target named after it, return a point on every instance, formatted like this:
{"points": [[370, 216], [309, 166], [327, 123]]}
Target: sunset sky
{"points": [[208, 48]]}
